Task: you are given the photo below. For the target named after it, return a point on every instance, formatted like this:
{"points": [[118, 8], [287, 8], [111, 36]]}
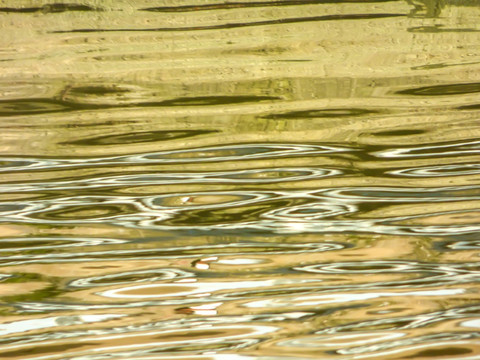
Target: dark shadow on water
{"points": [[242, 24], [440, 29], [431, 353], [441, 90], [402, 132], [97, 90], [322, 113], [139, 137], [49, 8], [241, 4], [44, 350], [469, 107], [33, 106]]}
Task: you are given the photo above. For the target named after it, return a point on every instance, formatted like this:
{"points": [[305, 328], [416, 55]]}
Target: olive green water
{"points": [[239, 180]]}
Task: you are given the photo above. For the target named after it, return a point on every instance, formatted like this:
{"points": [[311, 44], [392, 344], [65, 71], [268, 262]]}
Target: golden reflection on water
{"points": [[249, 180]]}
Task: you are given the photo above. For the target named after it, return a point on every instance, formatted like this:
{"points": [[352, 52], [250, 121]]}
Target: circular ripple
{"points": [[95, 212], [237, 152], [205, 199], [131, 277], [276, 175], [367, 267], [310, 211], [439, 171]]}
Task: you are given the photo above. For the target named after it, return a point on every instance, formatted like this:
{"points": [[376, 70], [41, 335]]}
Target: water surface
{"points": [[246, 180]]}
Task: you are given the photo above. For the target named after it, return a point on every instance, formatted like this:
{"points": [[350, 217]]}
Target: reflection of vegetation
{"points": [[37, 295], [23, 277], [426, 8], [433, 8], [50, 291]]}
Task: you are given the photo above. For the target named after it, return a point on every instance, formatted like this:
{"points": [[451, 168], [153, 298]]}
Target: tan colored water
{"points": [[239, 180]]}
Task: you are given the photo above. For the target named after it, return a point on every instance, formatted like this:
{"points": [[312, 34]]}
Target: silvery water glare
{"points": [[239, 179]]}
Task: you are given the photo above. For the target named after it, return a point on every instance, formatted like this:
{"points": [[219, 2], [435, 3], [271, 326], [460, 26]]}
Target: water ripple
{"points": [[180, 252], [432, 151], [205, 154], [440, 170], [239, 180], [131, 277]]}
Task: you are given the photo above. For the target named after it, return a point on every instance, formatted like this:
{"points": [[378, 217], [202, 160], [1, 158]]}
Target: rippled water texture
{"points": [[239, 180]]}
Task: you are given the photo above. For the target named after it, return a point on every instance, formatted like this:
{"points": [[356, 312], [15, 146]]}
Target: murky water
{"points": [[239, 180]]}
